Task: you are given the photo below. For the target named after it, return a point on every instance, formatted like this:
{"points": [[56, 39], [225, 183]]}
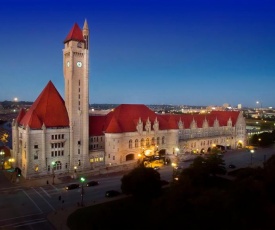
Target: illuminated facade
{"points": [[58, 135]]}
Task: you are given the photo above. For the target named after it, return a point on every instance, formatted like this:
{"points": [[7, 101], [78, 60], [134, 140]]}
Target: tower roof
{"points": [[75, 34], [48, 109]]}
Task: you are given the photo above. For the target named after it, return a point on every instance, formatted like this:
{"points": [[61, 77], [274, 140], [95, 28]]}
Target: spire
{"points": [[85, 32], [85, 27]]}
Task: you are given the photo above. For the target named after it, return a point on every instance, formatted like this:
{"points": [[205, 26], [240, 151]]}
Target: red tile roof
{"points": [[125, 117], [21, 114], [97, 125], [49, 109], [75, 34]]}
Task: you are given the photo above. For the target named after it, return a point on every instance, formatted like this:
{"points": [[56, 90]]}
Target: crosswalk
{"points": [[49, 190], [27, 207]]}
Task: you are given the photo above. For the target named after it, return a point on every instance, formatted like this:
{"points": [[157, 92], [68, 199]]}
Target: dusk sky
{"points": [[180, 52]]}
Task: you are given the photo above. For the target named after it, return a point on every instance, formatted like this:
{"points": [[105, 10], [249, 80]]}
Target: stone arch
{"points": [[162, 152], [130, 157]]}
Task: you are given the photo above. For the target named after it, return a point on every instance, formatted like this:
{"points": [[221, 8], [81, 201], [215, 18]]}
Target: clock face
{"points": [[68, 64], [79, 63]]}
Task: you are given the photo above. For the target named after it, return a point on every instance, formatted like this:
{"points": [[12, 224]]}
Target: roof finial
{"points": [[85, 27]]}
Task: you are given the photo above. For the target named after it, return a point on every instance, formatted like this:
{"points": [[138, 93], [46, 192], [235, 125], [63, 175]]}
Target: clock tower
{"points": [[76, 76]]}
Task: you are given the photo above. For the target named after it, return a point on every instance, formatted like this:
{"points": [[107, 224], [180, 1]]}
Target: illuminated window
{"points": [[147, 142], [142, 142]]}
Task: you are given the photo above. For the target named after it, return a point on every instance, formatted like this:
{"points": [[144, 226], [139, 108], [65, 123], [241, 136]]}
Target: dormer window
{"points": [[79, 45]]}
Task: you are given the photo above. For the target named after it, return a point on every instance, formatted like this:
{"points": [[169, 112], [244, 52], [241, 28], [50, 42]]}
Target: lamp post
{"points": [[251, 152], [260, 106], [53, 166], [75, 172], [2, 153], [82, 179], [174, 165]]}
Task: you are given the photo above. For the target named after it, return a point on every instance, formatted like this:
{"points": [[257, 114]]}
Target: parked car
{"points": [[251, 147], [72, 186], [112, 193], [232, 166], [92, 183]]}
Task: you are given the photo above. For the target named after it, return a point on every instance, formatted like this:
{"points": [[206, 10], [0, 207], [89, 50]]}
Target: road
{"points": [[27, 207]]}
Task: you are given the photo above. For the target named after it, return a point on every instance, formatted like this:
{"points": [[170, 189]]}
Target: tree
{"points": [[215, 164], [265, 139], [143, 183], [269, 170]]}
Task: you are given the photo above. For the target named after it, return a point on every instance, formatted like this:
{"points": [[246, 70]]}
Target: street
{"points": [[28, 207]]}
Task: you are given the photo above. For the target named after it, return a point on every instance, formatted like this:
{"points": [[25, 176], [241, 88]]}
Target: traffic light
{"points": [[18, 170], [82, 179]]}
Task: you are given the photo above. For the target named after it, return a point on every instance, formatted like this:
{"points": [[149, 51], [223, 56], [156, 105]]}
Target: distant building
{"points": [[57, 135]]}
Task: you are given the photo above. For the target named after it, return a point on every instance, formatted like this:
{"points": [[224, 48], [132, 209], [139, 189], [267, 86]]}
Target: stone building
{"points": [[57, 135]]}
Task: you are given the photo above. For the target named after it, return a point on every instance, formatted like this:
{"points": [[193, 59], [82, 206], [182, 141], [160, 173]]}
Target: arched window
{"points": [[162, 140], [142, 142], [136, 143], [158, 141], [147, 142], [58, 165], [153, 141], [130, 144]]}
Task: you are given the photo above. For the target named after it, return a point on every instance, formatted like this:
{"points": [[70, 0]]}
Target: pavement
{"points": [[59, 217]]}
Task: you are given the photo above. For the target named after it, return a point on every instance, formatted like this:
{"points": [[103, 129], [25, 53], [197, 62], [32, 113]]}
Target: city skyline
{"points": [[145, 52]]}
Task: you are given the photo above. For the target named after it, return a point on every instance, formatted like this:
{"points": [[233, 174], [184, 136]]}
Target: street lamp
{"points": [[251, 152], [82, 179], [174, 165], [259, 141], [53, 167], [75, 167]]}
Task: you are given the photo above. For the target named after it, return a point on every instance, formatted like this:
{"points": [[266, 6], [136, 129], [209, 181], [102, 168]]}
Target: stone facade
{"points": [[50, 139]]}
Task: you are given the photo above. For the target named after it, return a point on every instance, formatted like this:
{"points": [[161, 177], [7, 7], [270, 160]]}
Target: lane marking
{"points": [[45, 192], [44, 200], [19, 217], [33, 201], [24, 223]]}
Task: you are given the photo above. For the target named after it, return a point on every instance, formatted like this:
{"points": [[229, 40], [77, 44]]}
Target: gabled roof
{"points": [[113, 126], [223, 117], [48, 109], [75, 34], [97, 125], [21, 114], [125, 118]]}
